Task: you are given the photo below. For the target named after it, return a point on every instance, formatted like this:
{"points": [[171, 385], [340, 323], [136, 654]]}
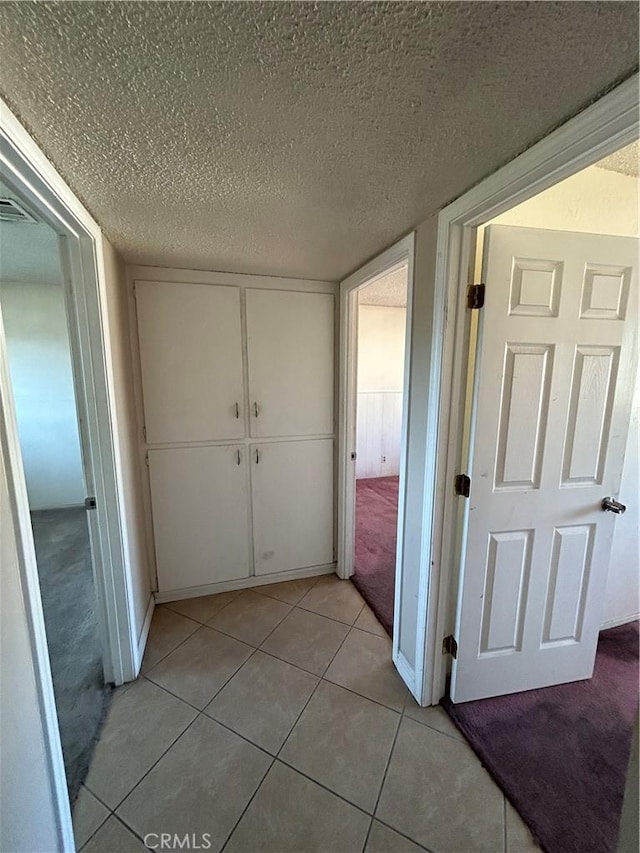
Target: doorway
{"points": [[381, 334], [43, 381], [547, 591]]}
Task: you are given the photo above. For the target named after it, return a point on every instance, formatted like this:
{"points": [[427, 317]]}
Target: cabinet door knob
{"points": [[257, 456], [237, 411], [238, 457], [256, 410]]}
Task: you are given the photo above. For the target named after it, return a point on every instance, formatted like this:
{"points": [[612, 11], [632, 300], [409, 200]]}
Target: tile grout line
{"points": [[398, 832], [276, 757]]}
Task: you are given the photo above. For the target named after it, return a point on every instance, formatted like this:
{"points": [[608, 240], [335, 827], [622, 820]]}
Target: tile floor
{"points": [[273, 720]]}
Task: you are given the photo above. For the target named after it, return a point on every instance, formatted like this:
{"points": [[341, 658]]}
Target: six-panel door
{"points": [[292, 493], [554, 382], [191, 355], [200, 515], [290, 354]]}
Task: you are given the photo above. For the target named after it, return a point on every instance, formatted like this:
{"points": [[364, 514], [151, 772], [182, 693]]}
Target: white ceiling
{"points": [[295, 138], [626, 161], [389, 291], [28, 251]]}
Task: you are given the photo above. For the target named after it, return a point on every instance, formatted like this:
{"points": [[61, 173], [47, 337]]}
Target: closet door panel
{"points": [[200, 503], [290, 352], [191, 356], [292, 490]]}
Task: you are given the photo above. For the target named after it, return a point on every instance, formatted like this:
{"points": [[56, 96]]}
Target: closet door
{"points": [[292, 491], [200, 515], [290, 351], [191, 354]]}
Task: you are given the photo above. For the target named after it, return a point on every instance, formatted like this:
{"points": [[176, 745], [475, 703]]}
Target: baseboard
{"points": [[242, 583], [144, 634], [614, 623]]}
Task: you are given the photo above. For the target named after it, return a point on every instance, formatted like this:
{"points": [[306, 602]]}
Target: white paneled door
{"points": [[191, 355], [200, 515], [292, 491], [290, 354], [554, 379]]}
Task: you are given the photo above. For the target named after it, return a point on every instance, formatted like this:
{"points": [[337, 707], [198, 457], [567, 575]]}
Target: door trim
{"points": [[26, 170], [609, 124]]}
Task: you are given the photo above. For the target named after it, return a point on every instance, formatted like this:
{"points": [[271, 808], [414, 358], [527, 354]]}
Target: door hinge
{"points": [[450, 646], [90, 503], [475, 296], [462, 485]]}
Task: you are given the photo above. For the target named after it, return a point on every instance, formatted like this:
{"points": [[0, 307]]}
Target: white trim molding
{"points": [[25, 169], [606, 126]]}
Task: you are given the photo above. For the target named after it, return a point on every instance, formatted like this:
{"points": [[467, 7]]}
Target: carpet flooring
{"points": [[375, 545], [63, 554], [561, 753]]}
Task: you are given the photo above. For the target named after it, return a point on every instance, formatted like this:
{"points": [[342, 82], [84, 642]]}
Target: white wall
{"points": [[40, 363], [381, 337], [598, 201], [127, 442], [28, 820]]}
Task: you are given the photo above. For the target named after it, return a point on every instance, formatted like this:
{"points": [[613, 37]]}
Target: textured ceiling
{"points": [[389, 291], [28, 251], [295, 138], [626, 161]]}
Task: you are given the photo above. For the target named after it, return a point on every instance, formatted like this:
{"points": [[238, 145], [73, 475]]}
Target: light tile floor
{"points": [[273, 720]]}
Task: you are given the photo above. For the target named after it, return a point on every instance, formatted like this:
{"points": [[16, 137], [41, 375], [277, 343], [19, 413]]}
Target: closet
{"points": [[237, 399]]}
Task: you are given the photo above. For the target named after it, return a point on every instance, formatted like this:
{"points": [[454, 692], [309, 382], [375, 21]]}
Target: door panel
{"points": [[292, 488], [554, 379], [191, 355], [290, 353], [200, 515]]}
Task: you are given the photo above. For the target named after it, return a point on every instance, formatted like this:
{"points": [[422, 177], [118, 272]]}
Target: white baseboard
{"points": [[242, 583], [142, 640], [613, 623]]}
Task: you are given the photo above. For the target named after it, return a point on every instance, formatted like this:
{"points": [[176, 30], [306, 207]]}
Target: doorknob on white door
{"points": [[612, 505]]}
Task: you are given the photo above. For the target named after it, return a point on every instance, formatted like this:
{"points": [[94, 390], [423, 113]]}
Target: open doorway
{"points": [[43, 379], [382, 314], [547, 600]]}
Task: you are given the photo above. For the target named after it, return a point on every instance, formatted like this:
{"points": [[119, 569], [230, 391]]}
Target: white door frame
{"points": [[609, 124], [25, 170]]}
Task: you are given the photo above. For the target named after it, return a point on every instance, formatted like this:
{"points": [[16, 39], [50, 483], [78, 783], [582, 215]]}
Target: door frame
{"points": [[396, 256], [602, 128], [25, 170]]}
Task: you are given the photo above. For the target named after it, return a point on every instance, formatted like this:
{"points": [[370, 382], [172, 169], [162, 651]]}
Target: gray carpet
{"points": [[63, 554]]}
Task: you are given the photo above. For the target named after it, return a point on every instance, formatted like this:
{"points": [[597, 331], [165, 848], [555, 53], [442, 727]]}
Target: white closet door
{"points": [[200, 515], [290, 343], [292, 487], [191, 355]]}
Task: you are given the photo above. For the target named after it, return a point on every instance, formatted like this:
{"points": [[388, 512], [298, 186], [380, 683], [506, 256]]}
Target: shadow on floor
{"points": [[63, 554]]}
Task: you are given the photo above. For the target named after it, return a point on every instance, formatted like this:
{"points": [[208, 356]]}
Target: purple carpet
{"points": [[375, 550], [560, 754]]}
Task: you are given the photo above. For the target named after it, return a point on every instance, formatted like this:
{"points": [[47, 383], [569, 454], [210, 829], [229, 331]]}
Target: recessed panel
{"points": [[568, 579], [523, 415], [535, 287], [591, 402], [605, 292], [505, 591]]}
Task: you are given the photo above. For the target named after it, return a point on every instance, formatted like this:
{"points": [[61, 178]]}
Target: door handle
{"points": [[612, 505], [257, 456], [256, 410], [237, 411], [238, 457]]}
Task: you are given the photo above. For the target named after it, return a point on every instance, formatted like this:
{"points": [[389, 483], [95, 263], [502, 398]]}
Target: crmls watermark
{"points": [[173, 841]]}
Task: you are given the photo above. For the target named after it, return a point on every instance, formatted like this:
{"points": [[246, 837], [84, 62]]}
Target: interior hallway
{"points": [[274, 720]]}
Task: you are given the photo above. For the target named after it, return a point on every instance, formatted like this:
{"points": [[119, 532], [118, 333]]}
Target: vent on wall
{"points": [[12, 211]]}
